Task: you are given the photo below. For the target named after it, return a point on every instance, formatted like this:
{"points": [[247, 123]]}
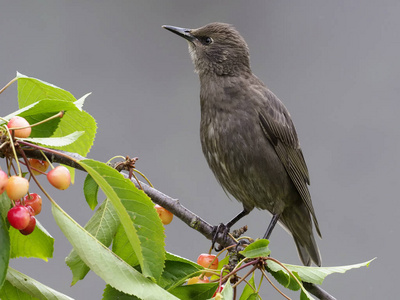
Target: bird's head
{"points": [[216, 48]]}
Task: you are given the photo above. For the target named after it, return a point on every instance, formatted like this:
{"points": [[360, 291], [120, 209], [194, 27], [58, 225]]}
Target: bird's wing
{"points": [[278, 127]]}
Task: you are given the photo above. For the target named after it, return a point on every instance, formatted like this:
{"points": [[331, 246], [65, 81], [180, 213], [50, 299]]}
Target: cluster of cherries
{"points": [[27, 205]]}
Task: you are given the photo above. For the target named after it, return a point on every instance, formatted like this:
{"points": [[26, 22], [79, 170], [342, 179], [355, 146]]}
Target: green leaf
{"points": [[102, 225], [257, 249], [90, 190], [21, 286], [146, 233], [31, 90], [122, 247], [286, 280], [56, 141], [108, 266], [42, 110], [249, 289], [177, 269], [39, 243], [200, 291], [77, 121], [315, 274], [4, 241], [111, 294]]}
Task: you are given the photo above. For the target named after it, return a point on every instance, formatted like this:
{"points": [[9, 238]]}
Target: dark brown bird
{"points": [[248, 137]]}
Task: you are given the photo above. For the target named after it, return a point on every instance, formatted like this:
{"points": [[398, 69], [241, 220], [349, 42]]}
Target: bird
{"points": [[248, 137]]}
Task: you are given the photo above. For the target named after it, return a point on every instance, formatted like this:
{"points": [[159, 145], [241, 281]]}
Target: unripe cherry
{"points": [[59, 177], [165, 215], [17, 187], [209, 261], [19, 122]]}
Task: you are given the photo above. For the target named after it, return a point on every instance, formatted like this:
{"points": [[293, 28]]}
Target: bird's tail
{"points": [[298, 221]]}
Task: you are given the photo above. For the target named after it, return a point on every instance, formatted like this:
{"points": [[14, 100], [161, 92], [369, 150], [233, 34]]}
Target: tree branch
{"points": [[171, 204]]}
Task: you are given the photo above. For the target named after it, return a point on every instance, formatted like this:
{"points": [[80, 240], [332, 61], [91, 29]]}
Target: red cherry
{"points": [[165, 215], [197, 279], [208, 261], [19, 217], [3, 181], [17, 187], [59, 177], [40, 165], [19, 122], [35, 201], [31, 226]]}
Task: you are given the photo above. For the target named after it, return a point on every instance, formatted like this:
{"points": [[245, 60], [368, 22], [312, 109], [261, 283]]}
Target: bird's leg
{"points": [[271, 226], [224, 229]]}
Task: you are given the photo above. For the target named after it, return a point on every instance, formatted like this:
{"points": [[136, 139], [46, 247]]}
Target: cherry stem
{"points": [[34, 177], [145, 178], [114, 157], [13, 149], [245, 276], [273, 285], [8, 84]]}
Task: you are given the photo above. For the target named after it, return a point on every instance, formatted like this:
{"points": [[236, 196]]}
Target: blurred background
{"points": [[335, 65]]}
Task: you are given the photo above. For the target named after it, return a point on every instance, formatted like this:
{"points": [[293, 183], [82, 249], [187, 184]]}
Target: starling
{"points": [[248, 137]]}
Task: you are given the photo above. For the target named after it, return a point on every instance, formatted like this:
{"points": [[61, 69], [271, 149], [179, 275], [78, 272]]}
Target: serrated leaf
{"points": [[5, 246], [177, 258], [39, 243], [200, 291], [31, 90], [257, 249], [57, 141], [146, 233], [90, 190], [315, 274], [79, 103], [108, 266], [24, 287], [111, 294], [102, 225], [175, 271]]}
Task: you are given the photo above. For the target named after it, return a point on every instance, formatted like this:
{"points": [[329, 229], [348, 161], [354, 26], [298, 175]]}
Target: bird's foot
{"points": [[243, 243], [219, 229]]}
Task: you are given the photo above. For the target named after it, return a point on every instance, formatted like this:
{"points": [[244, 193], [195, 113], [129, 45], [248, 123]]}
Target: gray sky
{"points": [[335, 65]]}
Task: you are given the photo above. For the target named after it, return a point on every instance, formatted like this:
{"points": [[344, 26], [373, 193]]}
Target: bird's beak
{"points": [[183, 32]]}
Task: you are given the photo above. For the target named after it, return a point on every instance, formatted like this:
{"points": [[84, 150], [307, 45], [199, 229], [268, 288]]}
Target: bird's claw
{"points": [[221, 228]]}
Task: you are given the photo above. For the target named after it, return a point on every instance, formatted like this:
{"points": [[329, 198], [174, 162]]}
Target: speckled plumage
{"points": [[247, 135]]}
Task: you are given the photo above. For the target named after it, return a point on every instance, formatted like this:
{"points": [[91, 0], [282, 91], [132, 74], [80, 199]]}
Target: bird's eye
{"points": [[206, 40]]}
